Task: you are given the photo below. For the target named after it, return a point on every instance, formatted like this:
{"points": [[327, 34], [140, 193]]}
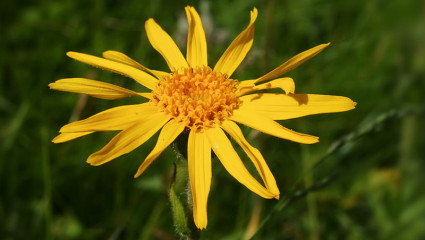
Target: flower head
{"points": [[205, 101]]}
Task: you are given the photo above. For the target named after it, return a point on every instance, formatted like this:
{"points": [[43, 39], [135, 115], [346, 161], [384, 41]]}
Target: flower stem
{"points": [[179, 215], [183, 215]]}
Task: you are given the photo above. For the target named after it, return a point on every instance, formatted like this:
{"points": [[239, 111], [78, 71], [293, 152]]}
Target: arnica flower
{"points": [[206, 102]]}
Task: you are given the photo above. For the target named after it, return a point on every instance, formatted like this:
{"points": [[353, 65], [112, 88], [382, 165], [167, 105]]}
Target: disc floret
{"points": [[198, 97]]}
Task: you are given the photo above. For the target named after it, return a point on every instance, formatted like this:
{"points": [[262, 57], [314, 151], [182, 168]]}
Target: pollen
{"points": [[198, 97]]}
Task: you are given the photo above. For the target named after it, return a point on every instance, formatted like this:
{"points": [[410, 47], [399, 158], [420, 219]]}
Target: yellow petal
{"points": [[246, 83], [199, 164], [129, 139], [168, 134], [165, 45], [65, 137], [266, 125], [91, 87], [233, 164], [286, 84], [122, 58], [281, 107], [293, 63], [238, 49], [124, 69], [196, 42], [257, 159], [113, 119]]}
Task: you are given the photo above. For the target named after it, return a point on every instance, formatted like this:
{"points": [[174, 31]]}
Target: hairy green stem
{"points": [[182, 214]]}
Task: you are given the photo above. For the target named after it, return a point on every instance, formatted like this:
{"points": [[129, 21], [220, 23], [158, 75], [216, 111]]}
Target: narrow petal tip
{"points": [[254, 14], [75, 55], [350, 104], [254, 11], [58, 139], [314, 139], [93, 162], [201, 227], [71, 54], [107, 52], [136, 175], [149, 20]]}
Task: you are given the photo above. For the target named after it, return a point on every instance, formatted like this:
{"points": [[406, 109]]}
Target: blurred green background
{"points": [[364, 180]]}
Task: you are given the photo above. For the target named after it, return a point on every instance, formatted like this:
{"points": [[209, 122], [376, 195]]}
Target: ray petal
{"points": [[164, 44], [281, 107], [293, 63], [196, 42], [286, 84], [113, 119], [122, 58], [268, 126], [65, 137], [199, 164], [168, 134], [246, 83], [93, 88], [233, 164], [238, 49], [124, 69], [257, 159], [129, 139]]}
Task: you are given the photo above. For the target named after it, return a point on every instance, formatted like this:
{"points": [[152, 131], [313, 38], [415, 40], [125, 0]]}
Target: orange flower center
{"points": [[198, 97]]}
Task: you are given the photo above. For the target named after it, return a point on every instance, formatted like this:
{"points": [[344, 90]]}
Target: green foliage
{"points": [[364, 180]]}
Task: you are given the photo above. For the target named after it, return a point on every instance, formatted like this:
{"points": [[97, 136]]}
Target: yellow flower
{"points": [[202, 100]]}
